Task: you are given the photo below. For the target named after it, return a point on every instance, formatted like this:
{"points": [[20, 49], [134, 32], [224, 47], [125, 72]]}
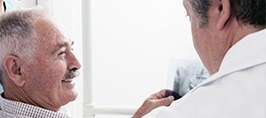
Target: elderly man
{"points": [[230, 38], [37, 66]]}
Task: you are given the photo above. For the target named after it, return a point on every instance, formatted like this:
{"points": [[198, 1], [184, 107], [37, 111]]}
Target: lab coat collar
{"points": [[248, 52]]}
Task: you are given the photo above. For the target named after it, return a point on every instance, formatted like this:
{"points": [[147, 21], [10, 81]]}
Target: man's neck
{"points": [[231, 35], [21, 96]]}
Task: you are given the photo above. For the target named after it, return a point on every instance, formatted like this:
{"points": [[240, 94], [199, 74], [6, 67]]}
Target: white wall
{"points": [[132, 44]]}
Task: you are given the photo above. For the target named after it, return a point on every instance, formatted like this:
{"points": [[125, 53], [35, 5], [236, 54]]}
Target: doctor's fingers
{"points": [[159, 95], [163, 101]]}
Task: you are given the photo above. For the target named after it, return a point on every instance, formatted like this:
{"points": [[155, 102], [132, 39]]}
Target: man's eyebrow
{"points": [[59, 46], [64, 44], [72, 43]]}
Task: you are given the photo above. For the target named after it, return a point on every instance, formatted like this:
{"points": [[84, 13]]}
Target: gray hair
{"points": [[17, 34], [201, 7], [251, 12]]}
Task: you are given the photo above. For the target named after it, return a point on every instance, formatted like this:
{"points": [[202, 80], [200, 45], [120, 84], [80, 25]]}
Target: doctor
{"points": [[230, 38]]}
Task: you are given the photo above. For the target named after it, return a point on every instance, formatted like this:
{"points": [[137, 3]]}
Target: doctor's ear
{"points": [[224, 13], [12, 65]]}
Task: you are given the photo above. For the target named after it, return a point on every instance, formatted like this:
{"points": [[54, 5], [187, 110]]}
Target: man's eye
{"points": [[61, 53]]}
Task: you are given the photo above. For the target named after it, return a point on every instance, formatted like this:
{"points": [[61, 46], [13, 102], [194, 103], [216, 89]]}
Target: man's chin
{"points": [[71, 95], [69, 98], [74, 95], [70, 91]]}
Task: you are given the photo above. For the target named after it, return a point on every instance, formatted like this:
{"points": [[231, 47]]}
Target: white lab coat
{"points": [[238, 90]]}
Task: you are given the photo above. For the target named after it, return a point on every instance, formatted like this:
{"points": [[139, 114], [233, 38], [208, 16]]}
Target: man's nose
{"points": [[73, 63]]}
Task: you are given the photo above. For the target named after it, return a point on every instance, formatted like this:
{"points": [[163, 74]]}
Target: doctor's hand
{"points": [[152, 102]]}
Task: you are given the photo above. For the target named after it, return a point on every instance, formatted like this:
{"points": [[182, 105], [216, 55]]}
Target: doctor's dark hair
{"points": [[17, 35], [251, 12]]}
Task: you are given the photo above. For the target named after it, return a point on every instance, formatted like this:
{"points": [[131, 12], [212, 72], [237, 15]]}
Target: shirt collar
{"points": [[248, 52], [22, 109]]}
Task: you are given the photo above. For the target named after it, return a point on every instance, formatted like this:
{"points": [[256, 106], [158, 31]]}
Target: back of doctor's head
{"points": [[17, 34], [251, 12]]}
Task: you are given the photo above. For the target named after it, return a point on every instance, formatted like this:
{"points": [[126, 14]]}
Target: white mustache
{"points": [[72, 74]]}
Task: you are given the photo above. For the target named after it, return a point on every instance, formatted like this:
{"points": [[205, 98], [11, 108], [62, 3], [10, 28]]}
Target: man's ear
{"points": [[12, 65], [225, 13]]}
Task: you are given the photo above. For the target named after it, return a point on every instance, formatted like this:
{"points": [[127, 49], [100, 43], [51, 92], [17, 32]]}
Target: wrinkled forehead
{"points": [[185, 3], [61, 28], [48, 30], [182, 1]]}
